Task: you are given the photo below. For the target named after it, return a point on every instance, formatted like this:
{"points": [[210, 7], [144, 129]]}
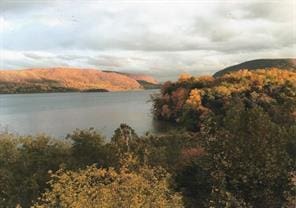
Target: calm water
{"points": [[57, 114]]}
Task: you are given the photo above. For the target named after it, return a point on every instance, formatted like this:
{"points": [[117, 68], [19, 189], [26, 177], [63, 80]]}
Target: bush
{"points": [[24, 166], [88, 148], [92, 187]]}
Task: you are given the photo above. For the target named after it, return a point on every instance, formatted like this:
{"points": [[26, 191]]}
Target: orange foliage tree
{"points": [[193, 98]]}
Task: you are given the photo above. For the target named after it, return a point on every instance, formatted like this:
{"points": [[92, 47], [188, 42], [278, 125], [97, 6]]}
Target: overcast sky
{"points": [[162, 38]]}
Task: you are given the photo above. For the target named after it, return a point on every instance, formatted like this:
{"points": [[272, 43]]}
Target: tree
{"points": [[123, 138], [9, 155], [190, 100], [88, 148], [108, 188], [24, 166], [249, 158], [195, 182]]}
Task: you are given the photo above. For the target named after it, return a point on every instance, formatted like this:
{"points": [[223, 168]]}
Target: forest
{"points": [[234, 146]]}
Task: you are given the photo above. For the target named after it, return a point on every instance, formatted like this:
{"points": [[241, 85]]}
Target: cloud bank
{"points": [[162, 38]]}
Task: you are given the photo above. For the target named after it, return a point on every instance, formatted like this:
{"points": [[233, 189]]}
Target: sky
{"points": [[160, 38]]}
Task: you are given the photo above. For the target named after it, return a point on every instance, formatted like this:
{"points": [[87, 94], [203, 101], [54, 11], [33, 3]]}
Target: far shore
{"points": [[78, 91]]}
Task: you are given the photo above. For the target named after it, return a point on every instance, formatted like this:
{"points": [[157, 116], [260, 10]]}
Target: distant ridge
{"points": [[288, 64], [138, 77], [62, 79]]}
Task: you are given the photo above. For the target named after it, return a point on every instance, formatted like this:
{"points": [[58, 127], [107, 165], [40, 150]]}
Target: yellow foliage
{"points": [[184, 77], [108, 188], [205, 79], [222, 90], [263, 76], [243, 80], [195, 97], [205, 93], [240, 81]]}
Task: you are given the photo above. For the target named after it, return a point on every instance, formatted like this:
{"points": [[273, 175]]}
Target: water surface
{"points": [[57, 114]]}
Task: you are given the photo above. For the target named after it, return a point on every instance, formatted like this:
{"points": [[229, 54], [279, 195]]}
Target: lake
{"points": [[58, 114]]}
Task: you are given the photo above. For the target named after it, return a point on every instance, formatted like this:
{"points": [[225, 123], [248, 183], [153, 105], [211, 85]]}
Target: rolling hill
{"points": [[69, 79], [288, 64]]}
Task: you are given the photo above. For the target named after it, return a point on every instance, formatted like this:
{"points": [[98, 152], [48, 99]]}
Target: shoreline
{"points": [[103, 91]]}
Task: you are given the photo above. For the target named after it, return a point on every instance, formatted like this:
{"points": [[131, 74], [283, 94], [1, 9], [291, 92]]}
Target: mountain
{"points": [[68, 79], [138, 77], [147, 82], [149, 85], [288, 64], [143, 77]]}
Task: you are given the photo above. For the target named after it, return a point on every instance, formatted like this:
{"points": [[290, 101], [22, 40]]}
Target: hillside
{"points": [[138, 77], [287, 64], [65, 80], [143, 77]]}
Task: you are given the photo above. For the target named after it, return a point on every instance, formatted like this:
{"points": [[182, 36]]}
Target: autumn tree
{"points": [[249, 159], [107, 188], [88, 148], [189, 101], [24, 166]]}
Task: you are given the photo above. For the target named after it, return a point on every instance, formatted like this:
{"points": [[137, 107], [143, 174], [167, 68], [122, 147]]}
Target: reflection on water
{"points": [[57, 114]]}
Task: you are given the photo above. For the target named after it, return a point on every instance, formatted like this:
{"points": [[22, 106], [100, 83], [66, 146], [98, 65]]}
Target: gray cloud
{"points": [[23, 6], [159, 38], [108, 61]]}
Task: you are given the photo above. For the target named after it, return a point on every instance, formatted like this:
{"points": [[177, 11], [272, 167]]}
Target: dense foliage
{"points": [[241, 152], [27, 164], [191, 100], [249, 158], [246, 123], [24, 166], [128, 187]]}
